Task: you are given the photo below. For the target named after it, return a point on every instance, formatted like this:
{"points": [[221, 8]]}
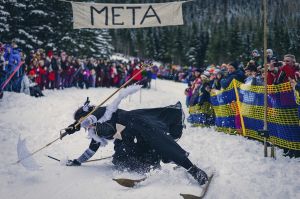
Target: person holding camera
{"points": [[273, 70], [287, 71]]}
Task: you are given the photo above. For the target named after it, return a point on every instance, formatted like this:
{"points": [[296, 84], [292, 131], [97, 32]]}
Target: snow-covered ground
{"points": [[241, 170]]}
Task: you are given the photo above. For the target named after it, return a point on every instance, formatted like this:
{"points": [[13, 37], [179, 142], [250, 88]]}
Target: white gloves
{"points": [[103, 142], [87, 122]]}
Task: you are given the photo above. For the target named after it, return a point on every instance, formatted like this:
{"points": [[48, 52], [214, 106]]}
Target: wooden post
{"points": [[265, 128]]}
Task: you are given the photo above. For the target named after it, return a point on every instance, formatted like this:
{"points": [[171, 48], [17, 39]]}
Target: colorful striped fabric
{"points": [[240, 109]]}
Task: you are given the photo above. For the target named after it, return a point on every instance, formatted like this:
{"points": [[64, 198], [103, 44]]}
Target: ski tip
{"points": [[128, 182], [189, 196], [125, 182]]}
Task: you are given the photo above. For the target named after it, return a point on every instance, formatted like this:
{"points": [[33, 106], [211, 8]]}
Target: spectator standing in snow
{"points": [[233, 73], [272, 71], [253, 77], [288, 70]]}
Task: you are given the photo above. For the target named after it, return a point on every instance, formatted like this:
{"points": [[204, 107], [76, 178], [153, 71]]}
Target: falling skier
{"points": [[146, 136]]}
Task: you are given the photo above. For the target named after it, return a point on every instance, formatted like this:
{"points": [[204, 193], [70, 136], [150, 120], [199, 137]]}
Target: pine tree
{"points": [[4, 15], [234, 43], [163, 48], [48, 24], [149, 43], [177, 46]]}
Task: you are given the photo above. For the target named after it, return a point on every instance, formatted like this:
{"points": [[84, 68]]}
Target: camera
{"points": [[277, 64]]}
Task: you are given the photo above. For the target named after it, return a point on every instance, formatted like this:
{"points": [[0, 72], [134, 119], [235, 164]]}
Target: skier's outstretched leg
{"points": [[198, 174], [170, 150]]}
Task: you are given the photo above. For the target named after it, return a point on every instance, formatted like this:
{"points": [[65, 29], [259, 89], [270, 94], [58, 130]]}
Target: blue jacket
{"points": [[14, 60], [297, 87], [238, 75], [204, 95]]}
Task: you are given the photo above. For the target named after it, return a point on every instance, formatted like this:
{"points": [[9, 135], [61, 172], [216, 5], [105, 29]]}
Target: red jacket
{"points": [[39, 71], [51, 76], [139, 76], [285, 73], [271, 78]]}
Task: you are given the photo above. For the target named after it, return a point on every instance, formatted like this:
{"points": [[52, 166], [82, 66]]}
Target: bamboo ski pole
{"points": [[64, 134]]}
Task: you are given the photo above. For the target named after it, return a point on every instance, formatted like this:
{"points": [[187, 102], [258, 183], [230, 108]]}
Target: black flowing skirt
{"points": [[149, 137]]}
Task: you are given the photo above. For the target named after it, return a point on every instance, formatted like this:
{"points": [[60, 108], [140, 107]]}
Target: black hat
{"points": [[198, 70], [84, 110], [252, 68], [274, 59], [235, 64]]}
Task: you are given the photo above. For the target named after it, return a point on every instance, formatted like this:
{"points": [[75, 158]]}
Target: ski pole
{"points": [[11, 75], [49, 156], [9, 78]]}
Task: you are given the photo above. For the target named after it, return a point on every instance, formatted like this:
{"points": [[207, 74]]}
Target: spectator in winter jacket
{"points": [[288, 70], [14, 59], [272, 71], [204, 90], [188, 93], [26, 83], [233, 73], [255, 55], [195, 88], [197, 80], [253, 78], [29, 87], [269, 55], [217, 81], [139, 77]]}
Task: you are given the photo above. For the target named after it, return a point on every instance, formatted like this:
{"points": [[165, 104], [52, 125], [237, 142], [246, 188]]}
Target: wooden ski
{"points": [[203, 193]]}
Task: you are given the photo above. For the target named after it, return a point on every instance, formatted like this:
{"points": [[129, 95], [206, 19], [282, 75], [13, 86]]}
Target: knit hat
{"points": [[235, 64], [206, 73], [252, 68], [255, 53], [270, 52], [198, 70]]}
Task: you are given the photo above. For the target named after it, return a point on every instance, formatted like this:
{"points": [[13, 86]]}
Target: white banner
{"points": [[99, 15]]}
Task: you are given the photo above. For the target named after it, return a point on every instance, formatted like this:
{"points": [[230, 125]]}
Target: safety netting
{"points": [[239, 109]]}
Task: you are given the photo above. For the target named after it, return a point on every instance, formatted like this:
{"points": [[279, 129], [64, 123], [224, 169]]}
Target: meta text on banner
{"points": [[99, 15]]}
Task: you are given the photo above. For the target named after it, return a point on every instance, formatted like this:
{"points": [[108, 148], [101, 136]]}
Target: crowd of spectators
{"points": [[53, 69], [218, 77]]}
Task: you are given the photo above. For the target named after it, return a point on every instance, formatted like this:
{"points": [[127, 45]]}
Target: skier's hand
{"points": [[73, 163], [89, 121], [72, 128]]}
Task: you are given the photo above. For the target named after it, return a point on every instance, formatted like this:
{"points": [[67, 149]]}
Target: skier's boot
{"points": [[198, 174]]}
